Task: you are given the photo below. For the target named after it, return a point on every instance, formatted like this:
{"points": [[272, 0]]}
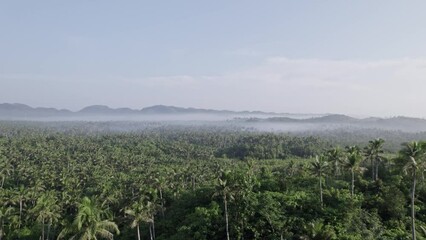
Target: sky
{"points": [[363, 57]]}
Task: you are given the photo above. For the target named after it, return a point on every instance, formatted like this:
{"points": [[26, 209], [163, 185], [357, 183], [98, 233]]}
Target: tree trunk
{"points": [[150, 231], [413, 217], [372, 169], [162, 202], [336, 169], [353, 182], [377, 170], [42, 230], [20, 212], [1, 229], [226, 216], [242, 228], [139, 233], [193, 183], [153, 227], [48, 231], [320, 185]]}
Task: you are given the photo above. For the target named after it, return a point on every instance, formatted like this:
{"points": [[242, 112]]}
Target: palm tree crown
{"points": [[89, 225]]}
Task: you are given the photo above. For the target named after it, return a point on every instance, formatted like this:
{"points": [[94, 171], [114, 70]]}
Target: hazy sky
{"points": [[355, 57]]}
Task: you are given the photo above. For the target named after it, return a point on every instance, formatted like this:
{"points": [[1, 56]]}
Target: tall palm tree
{"points": [[335, 156], [318, 169], [372, 152], [413, 155], [5, 212], [160, 182], [90, 224], [47, 211], [141, 212], [20, 196], [6, 169], [352, 164], [224, 190]]}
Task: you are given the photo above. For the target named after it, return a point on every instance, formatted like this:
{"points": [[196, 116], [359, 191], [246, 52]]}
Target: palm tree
{"points": [[352, 164], [318, 169], [5, 212], [317, 230], [20, 196], [224, 189], [413, 155], [90, 224], [47, 211], [6, 169], [372, 152], [335, 156], [138, 216], [160, 182], [141, 212]]}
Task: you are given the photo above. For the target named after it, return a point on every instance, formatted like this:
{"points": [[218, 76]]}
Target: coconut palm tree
{"points": [[372, 152], [138, 217], [352, 164], [318, 169], [90, 223], [160, 182], [47, 211], [317, 230], [413, 156], [224, 190], [141, 212], [6, 169], [335, 156], [5, 212], [20, 196]]}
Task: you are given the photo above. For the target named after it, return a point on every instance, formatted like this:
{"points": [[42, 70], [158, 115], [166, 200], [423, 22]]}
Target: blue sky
{"points": [[355, 57]]}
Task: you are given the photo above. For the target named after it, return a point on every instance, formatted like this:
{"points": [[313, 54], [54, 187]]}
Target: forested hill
{"points": [[17, 110], [263, 121]]}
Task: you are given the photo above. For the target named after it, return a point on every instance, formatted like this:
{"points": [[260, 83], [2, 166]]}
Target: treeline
{"points": [[360, 137], [185, 183], [179, 141]]}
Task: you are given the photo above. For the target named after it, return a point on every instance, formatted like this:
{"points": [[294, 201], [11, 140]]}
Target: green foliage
{"points": [[203, 223], [167, 183]]}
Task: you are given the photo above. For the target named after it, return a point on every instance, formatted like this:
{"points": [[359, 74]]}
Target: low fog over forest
{"points": [[338, 129]]}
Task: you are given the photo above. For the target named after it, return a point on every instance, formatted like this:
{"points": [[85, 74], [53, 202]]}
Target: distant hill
{"points": [[332, 118], [256, 119], [162, 109], [105, 110], [17, 110]]}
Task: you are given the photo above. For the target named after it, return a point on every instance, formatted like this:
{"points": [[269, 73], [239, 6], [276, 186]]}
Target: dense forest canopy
{"points": [[154, 181]]}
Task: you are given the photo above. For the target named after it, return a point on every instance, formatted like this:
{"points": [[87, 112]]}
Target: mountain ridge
{"points": [[19, 111], [103, 109]]}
